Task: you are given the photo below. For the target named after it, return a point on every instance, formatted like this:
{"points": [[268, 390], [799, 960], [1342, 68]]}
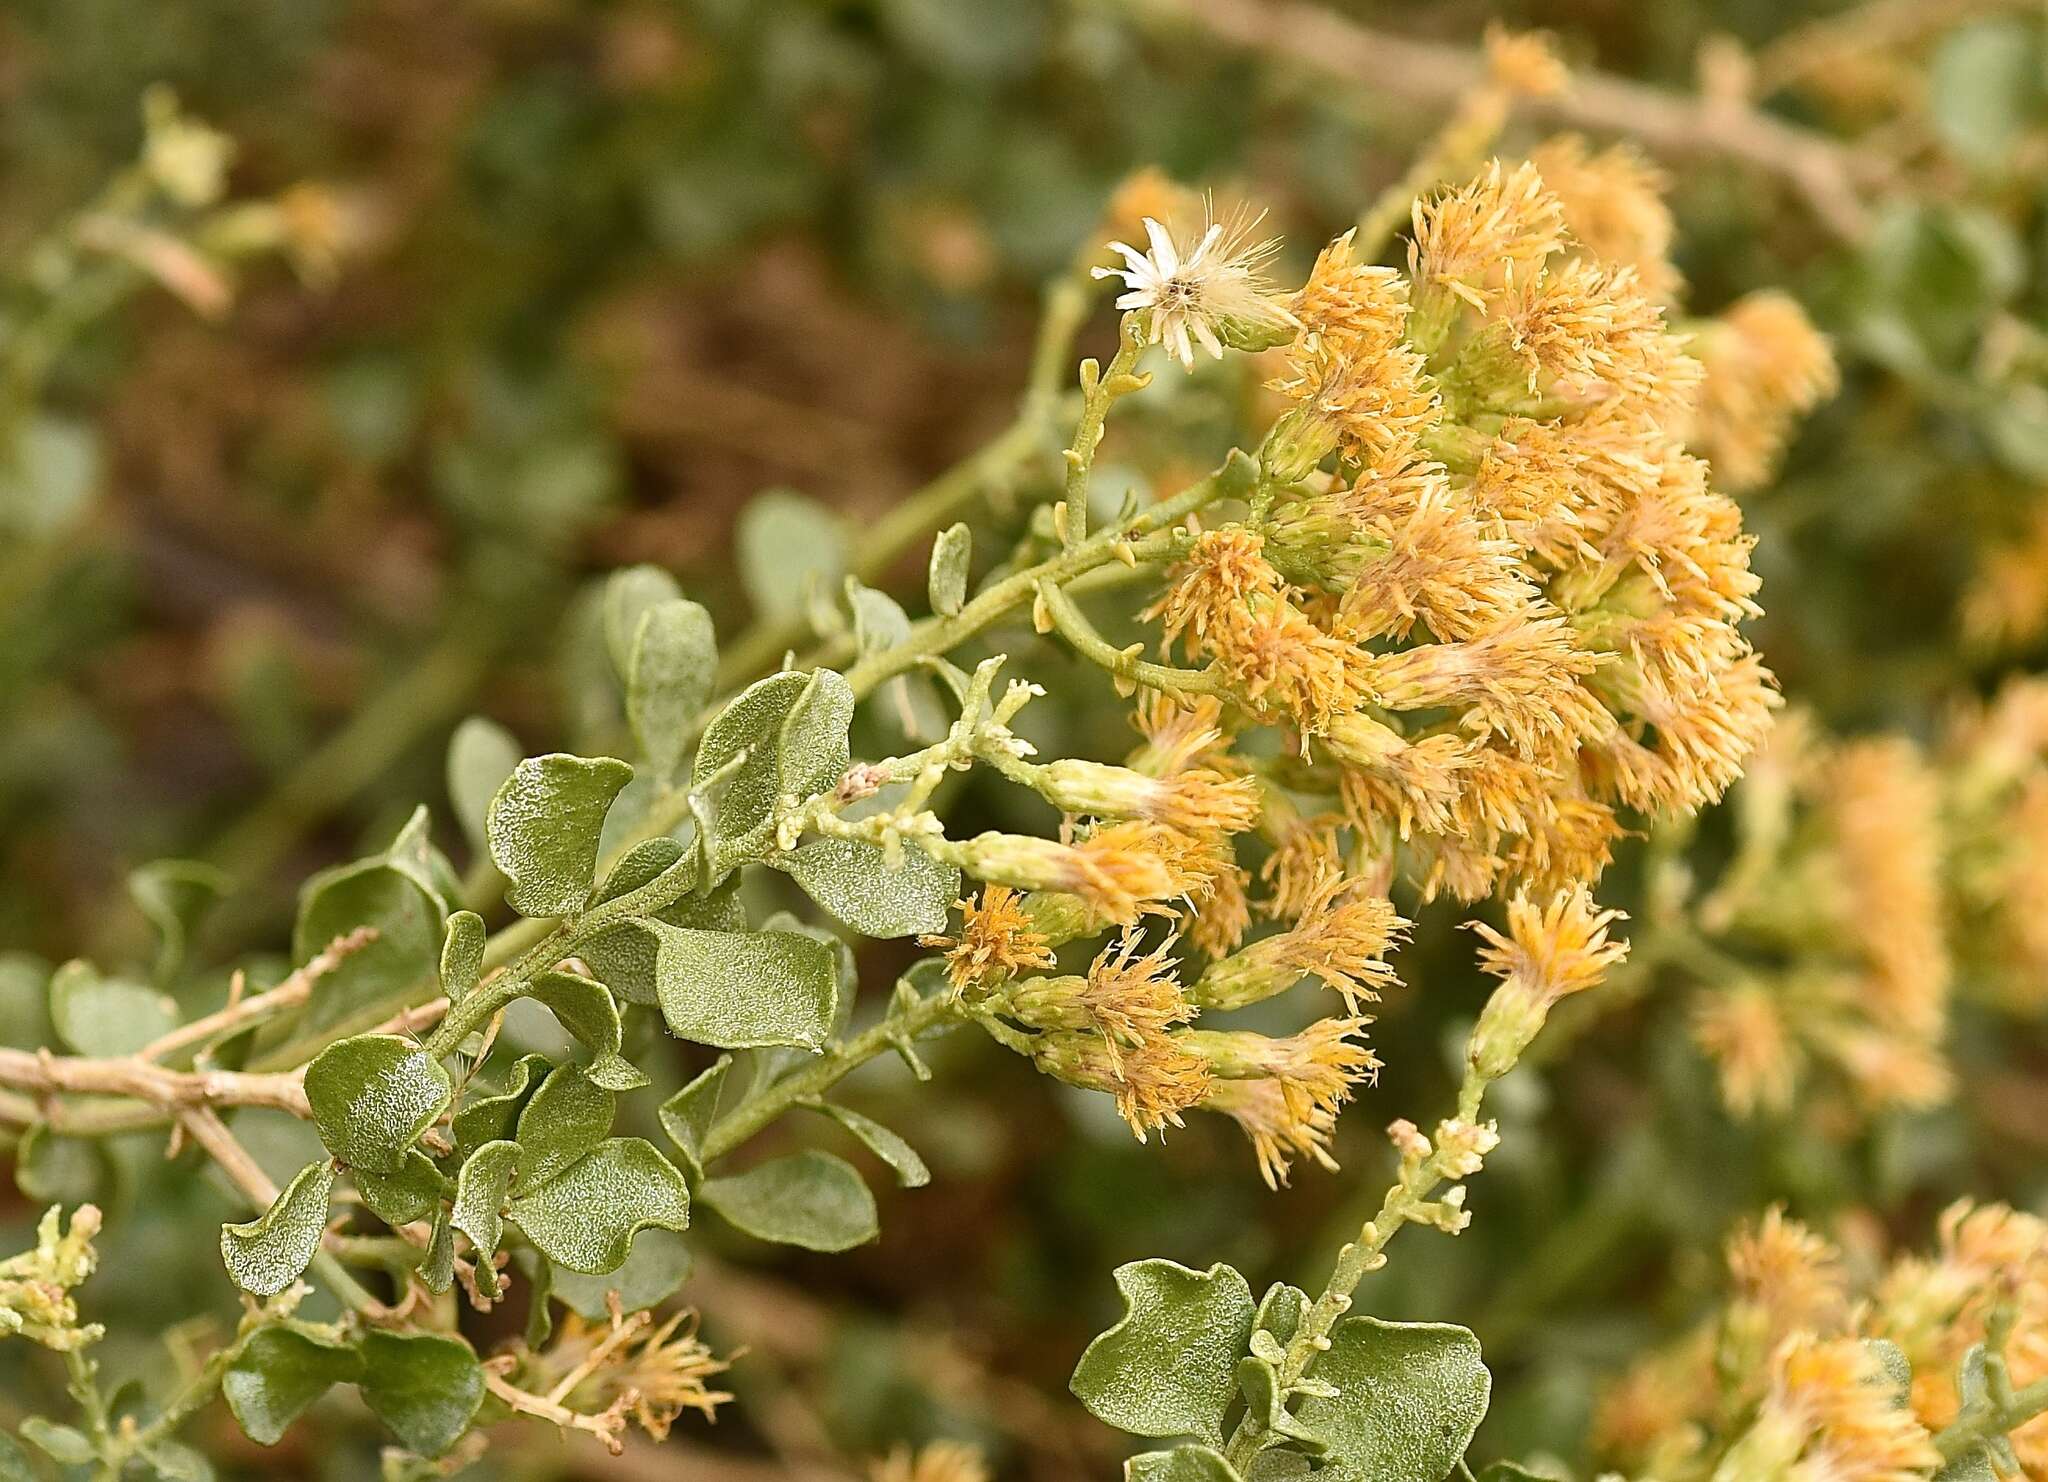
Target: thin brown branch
{"points": [[1827, 175], [137, 1080], [1879, 25], [239, 1015]]}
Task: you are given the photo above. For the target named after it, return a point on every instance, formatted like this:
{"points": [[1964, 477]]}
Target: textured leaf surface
{"points": [[462, 955], [402, 1197], [1182, 1464], [738, 990], [480, 1190], [742, 736], [372, 1096], [566, 1118], [811, 1199], [854, 880], [586, 1218], [277, 1375], [1410, 1395], [490, 1118], [545, 826], [587, 1010], [946, 581], [272, 1251], [424, 1387], [387, 894], [1169, 1367], [674, 665], [630, 593]]}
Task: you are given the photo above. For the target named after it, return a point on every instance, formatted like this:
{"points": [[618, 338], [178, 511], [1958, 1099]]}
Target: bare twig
{"points": [[139, 1080], [1827, 175], [243, 1012]]}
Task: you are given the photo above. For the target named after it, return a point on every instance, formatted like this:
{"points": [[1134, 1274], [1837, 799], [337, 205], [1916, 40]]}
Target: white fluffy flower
{"points": [[1212, 293]]}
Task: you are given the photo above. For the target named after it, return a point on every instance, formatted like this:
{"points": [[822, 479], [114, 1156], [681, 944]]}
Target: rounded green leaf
{"points": [[424, 1387], [585, 1218], [879, 621], [462, 955], [481, 755], [742, 990], [669, 679], [811, 1199], [1410, 1395], [176, 894], [789, 547], [566, 1118], [855, 881], [629, 595], [1169, 1368], [652, 1273], [106, 1016], [1182, 1464], [402, 1197], [812, 751], [372, 1096], [946, 582], [278, 1373], [480, 1190], [272, 1251], [492, 1118], [588, 1011], [545, 825]]}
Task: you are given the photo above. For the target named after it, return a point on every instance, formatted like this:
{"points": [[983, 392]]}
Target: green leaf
{"points": [[390, 893], [853, 880], [674, 666], [790, 549], [402, 1197], [812, 751], [481, 756], [437, 1271], [278, 1374], [782, 734], [1985, 88], [1182, 1464], [910, 1169], [177, 1462], [175, 894], [492, 1118], [480, 1190], [372, 1096], [811, 1199], [425, 1388], [586, 1218], [545, 825], [653, 1272], [879, 621], [588, 1011], [688, 1115], [462, 955], [1511, 1471], [629, 595], [53, 1169], [946, 582], [1279, 1316], [1169, 1367], [566, 1118], [1410, 1395], [272, 1251], [106, 1016], [737, 990], [60, 1443]]}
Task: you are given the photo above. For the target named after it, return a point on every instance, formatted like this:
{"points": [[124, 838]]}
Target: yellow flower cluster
{"points": [[1512, 609], [1786, 1384]]}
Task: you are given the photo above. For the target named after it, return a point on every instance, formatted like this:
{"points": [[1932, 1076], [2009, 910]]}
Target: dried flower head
{"points": [[997, 940], [941, 1461], [1208, 292]]}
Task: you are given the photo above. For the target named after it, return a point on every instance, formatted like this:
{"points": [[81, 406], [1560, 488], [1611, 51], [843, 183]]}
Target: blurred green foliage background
{"points": [[607, 271]]}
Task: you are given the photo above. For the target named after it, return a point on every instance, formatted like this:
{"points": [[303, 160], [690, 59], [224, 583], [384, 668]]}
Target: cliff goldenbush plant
{"points": [[1369, 631]]}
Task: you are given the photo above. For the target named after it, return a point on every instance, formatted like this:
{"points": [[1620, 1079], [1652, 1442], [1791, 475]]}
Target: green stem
{"points": [[939, 635], [1413, 1189], [903, 1023], [1100, 389], [1072, 624], [1991, 1420]]}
